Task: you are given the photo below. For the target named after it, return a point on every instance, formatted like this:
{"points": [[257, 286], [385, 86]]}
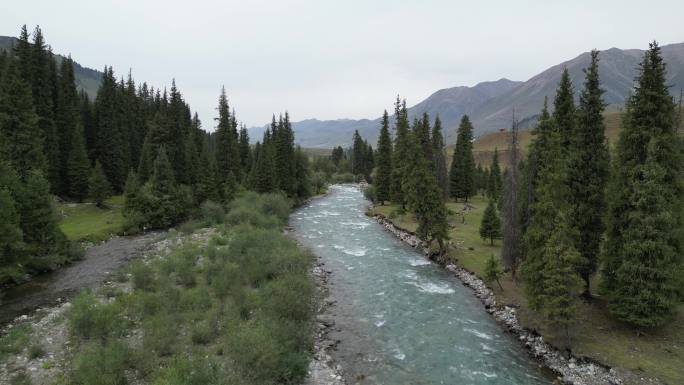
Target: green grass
{"points": [[86, 222], [659, 353], [14, 340], [234, 309]]}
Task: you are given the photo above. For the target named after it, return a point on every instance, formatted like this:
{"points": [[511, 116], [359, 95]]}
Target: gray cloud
{"points": [[333, 59]]}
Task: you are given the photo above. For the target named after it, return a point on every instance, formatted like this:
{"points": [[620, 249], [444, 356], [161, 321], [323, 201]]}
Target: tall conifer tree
{"points": [[401, 155], [21, 139], [227, 154], [643, 248], [588, 173], [462, 174], [439, 151], [511, 249], [78, 166], [383, 177]]}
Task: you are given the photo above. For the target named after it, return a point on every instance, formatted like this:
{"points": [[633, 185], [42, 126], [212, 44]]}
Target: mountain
{"points": [[452, 103], [86, 78], [490, 104]]}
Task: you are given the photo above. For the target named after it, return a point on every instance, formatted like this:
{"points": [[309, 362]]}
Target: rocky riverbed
{"points": [[323, 370]]}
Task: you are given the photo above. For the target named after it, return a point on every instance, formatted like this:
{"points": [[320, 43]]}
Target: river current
{"points": [[401, 319]]}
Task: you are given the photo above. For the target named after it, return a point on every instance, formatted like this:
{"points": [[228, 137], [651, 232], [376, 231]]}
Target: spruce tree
{"points": [[492, 270], [511, 248], [564, 113], [462, 173], [24, 56], [263, 179], [156, 137], [78, 166], [561, 281], [21, 139], [43, 80], [131, 193], [383, 177], [178, 134], [99, 188], [227, 153], [494, 182], [244, 149], [358, 155], [303, 183], [425, 199], [284, 156], [439, 151], [67, 119], [11, 237], [490, 227], [643, 249], [536, 157], [110, 141], [207, 184], [549, 202], [45, 242], [401, 155], [422, 134], [588, 172]]}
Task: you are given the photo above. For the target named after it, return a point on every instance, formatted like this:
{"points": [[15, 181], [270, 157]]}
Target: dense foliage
{"points": [[236, 309], [129, 139]]}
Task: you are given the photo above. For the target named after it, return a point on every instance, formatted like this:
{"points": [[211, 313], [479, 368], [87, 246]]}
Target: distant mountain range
{"points": [[490, 104], [86, 78]]}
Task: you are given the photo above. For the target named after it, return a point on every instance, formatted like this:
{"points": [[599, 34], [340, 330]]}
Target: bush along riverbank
{"points": [[228, 300], [570, 370]]}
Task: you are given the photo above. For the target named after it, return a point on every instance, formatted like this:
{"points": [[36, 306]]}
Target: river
{"points": [[400, 318]]}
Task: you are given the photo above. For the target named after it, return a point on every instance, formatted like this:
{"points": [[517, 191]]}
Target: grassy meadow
{"points": [[87, 222]]}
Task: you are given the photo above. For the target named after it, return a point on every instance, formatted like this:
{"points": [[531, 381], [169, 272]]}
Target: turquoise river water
{"points": [[401, 319]]}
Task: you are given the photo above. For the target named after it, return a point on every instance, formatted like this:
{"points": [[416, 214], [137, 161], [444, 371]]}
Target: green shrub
{"points": [[241, 215], [160, 334], [101, 364], [202, 332], [142, 275], [89, 319], [346, 177], [195, 299], [286, 298], [192, 371], [36, 350], [261, 355], [369, 193], [15, 340], [212, 213], [181, 264], [275, 204]]}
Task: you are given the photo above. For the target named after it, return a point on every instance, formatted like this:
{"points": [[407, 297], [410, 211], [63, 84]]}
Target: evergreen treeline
{"points": [[565, 211], [130, 139], [411, 171], [565, 231]]}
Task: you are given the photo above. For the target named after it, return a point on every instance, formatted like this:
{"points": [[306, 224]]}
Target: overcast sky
{"points": [[335, 59]]}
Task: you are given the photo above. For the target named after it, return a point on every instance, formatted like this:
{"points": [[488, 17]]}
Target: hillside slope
{"points": [[86, 78], [490, 104]]}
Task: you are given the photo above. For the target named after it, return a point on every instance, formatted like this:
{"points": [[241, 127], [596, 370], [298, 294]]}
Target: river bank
{"points": [[570, 369], [100, 260]]}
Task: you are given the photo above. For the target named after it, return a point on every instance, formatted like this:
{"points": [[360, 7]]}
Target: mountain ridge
{"points": [[490, 104]]}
